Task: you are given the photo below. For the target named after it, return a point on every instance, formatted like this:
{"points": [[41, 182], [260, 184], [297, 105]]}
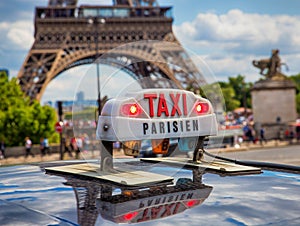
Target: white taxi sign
{"points": [[156, 114]]}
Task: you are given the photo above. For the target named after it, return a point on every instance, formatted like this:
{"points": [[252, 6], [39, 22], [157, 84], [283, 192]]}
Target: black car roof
{"points": [[270, 197]]}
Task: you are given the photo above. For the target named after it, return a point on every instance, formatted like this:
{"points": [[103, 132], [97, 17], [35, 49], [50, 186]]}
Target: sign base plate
{"points": [[211, 166], [124, 178]]}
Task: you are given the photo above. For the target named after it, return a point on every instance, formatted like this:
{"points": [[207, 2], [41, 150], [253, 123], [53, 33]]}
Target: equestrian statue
{"points": [[271, 67]]}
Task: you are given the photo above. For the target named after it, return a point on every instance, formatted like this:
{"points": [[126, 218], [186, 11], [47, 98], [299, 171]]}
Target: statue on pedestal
{"points": [[272, 65], [273, 98]]}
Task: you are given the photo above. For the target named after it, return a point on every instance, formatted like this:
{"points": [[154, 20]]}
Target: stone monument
{"points": [[273, 98]]}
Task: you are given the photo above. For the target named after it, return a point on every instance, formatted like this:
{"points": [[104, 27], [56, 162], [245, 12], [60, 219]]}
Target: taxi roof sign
{"points": [[156, 114]]}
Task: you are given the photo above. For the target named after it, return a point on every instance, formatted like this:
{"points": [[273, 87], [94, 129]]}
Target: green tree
{"points": [[229, 95], [220, 91], [19, 117], [42, 121], [242, 90]]}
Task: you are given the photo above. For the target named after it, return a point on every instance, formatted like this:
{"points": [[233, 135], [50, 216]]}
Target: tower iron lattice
{"points": [[67, 35]]}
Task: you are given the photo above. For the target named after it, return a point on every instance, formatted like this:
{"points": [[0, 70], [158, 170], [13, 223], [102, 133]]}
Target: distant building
{"points": [[80, 96], [79, 104]]}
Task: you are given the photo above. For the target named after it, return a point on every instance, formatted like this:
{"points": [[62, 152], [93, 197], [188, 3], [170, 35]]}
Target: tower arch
{"points": [[67, 35]]}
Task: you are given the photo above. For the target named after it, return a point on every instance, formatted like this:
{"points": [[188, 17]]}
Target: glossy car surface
{"points": [[29, 196]]}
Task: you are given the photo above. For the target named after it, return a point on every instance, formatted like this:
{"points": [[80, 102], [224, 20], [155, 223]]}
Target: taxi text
{"points": [[163, 207], [162, 106], [177, 126]]}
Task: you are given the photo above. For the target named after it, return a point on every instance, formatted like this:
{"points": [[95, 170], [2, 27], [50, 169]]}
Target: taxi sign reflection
{"points": [[126, 204], [152, 208], [153, 203]]}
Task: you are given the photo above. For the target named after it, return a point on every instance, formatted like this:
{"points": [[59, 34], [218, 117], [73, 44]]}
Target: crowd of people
{"points": [[250, 134], [71, 145], [256, 133], [82, 143]]}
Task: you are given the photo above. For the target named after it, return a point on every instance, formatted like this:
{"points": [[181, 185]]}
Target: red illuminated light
{"points": [[192, 203], [130, 216], [201, 108], [131, 110]]}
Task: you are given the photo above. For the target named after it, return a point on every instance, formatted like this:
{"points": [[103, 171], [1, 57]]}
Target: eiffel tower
{"points": [[67, 35]]}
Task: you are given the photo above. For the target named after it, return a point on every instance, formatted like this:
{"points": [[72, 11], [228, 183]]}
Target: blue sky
{"points": [[226, 34]]}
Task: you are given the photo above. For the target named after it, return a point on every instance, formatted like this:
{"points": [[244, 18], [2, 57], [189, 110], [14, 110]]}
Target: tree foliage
{"points": [[242, 90], [229, 94], [237, 92], [234, 94], [19, 117]]}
